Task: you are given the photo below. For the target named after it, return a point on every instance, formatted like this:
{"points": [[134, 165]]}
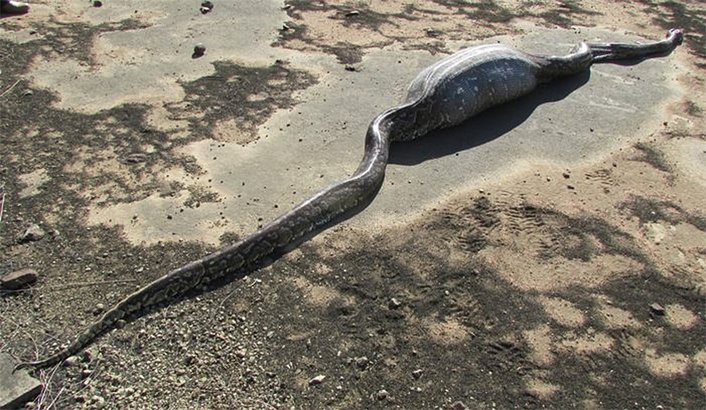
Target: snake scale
{"points": [[443, 95]]}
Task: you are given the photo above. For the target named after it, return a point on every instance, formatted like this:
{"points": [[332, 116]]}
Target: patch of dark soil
{"points": [[38, 136], [349, 15], [371, 344], [361, 16], [247, 94], [684, 15], [345, 53], [456, 332], [199, 194], [693, 109], [470, 224], [655, 210], [103, 158], [654, 157], [554, 233], [563, 14], [582, 232], [75, 40]]}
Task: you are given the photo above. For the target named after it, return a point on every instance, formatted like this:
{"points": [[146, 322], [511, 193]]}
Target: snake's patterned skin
{"points": [[445, 94]]}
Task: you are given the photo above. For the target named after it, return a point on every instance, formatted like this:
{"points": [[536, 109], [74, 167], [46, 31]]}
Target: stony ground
{"points": [[556, 286]]}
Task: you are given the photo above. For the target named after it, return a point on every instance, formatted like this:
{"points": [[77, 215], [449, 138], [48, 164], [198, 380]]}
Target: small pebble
{"points": [[206, 6], [31, 234], [458, 405], [352, 13], [417, 373], [97, 3], [71, 361], [98, 401], [382, 394], [317, 380], [362, 362], [394, 303], [657, 309], [100, 308], [199, 50], [19, 279]]}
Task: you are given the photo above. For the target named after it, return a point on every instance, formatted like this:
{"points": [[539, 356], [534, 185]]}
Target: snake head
{"points": [[676, 35]]}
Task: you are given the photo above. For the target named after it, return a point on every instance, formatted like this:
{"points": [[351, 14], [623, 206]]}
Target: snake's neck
{"points": [[377, 145], [407, 121]]}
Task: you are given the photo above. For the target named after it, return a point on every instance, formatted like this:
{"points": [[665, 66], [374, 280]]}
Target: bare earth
{"points": [[548, 282]]}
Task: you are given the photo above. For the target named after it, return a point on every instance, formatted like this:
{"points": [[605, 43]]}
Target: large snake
{"points": [[443, 95]]}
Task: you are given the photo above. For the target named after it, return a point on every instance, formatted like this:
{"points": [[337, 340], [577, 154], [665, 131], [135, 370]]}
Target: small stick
{"points": [[2, 203], [9, 89]]}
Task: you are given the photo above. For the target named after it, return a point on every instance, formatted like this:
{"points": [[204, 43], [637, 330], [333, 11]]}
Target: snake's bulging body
{"points": [[443, 95]]}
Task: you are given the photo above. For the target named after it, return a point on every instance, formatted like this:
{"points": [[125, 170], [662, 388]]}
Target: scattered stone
{"points": [[206, 7], [98, 401], [362, 362], [89, 354], [100, 308], [71, 361], [417, 373], [459, 405], [430, 32], [571, 187], [350, 68], [16, 388], [317, 380], [382, 394], [394, 303], [199, 50], [657, 309], [97, 3], [32, 234], [566, 175], [135, 158], [352, 13], [19, 279]]}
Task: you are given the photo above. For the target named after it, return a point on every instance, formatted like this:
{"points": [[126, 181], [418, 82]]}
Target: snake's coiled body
{"points": [[445, 94]]}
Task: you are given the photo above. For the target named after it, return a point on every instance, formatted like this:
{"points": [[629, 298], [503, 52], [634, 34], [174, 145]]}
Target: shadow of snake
{"points": [[443, 95]]}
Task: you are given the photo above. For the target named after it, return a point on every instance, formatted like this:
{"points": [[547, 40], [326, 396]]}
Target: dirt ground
{"points": [[554, 287]]}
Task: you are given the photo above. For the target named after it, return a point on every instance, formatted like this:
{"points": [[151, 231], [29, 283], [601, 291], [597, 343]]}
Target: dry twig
{"points": [[9, 89]]}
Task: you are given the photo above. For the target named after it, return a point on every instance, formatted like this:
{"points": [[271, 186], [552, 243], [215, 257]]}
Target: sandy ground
{"points": [[495, 269]]}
